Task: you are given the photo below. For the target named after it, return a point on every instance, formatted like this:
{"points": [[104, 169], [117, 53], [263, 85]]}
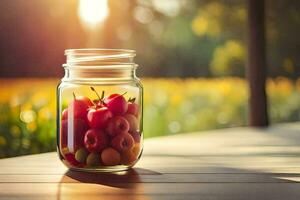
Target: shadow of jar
{"points": [[118, 185]]}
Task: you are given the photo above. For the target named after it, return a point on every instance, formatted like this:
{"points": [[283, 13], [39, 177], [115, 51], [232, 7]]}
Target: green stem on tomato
{"points": [[102, 95], [123, 93], [100, 98], [93, 89], [131, 100]]}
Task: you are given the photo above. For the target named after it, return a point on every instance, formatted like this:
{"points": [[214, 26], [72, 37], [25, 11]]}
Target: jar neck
{"points": [[99, 73], [99, 65]]}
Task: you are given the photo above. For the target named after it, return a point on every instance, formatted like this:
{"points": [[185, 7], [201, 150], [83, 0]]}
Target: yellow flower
{"points": [[31, 126]]}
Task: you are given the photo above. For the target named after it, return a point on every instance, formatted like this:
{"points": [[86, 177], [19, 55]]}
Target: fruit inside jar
{"points": [[101, 133]]}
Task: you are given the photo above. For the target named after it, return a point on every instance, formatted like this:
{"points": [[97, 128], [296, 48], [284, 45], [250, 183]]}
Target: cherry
{"points": [[117, 125], [123, 142], [136, 136], [116, 103], [133, 109], [110, 157], [93, 159], [79, 106], [63, 134], [128, 157], [95, 140], [136, 150], [72, 161], [77, 131], [133, 122], [64, 114], [98, 118]]}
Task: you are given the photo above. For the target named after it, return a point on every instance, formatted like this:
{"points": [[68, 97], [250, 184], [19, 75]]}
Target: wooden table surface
{"points": [[237, 163]]}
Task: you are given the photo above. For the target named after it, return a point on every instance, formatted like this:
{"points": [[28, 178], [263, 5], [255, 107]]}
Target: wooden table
{"points": [[237, 163]]}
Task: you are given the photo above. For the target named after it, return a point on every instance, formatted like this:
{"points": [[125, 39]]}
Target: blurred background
{"points": [[192, 53]]}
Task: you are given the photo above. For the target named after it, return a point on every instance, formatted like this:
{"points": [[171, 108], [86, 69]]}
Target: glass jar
{"points": [[100, 110]]}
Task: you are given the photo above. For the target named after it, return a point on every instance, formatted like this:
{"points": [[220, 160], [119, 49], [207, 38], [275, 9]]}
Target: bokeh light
{"points": [[92, 12]]}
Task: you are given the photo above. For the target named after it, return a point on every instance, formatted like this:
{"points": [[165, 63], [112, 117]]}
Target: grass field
{"points": [[27, 107]]}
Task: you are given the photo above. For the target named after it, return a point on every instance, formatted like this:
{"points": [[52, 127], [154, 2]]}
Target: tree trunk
{"points": [[256, 66]]}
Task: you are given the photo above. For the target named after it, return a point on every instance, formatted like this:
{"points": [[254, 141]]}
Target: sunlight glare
{"points": [[92, 12]]}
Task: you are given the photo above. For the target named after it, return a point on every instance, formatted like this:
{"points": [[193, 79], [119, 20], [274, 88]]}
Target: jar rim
{"points": [[99, 56], [100, 51]]}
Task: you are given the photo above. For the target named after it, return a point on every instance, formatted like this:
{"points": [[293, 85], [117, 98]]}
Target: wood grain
{"points": [[238, 163]]}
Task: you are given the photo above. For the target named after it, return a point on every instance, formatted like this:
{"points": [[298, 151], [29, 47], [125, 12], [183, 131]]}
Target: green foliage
{"points": [[228, 59], [194, 38]]}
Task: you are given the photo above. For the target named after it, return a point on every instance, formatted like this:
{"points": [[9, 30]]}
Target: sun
{"points": [[92, 12]]}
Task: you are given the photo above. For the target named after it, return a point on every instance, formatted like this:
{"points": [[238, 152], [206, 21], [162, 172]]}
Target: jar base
{"points": [[105, 169]]}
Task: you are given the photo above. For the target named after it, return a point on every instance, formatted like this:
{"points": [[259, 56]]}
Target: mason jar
{"points": [[100, 110]]}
